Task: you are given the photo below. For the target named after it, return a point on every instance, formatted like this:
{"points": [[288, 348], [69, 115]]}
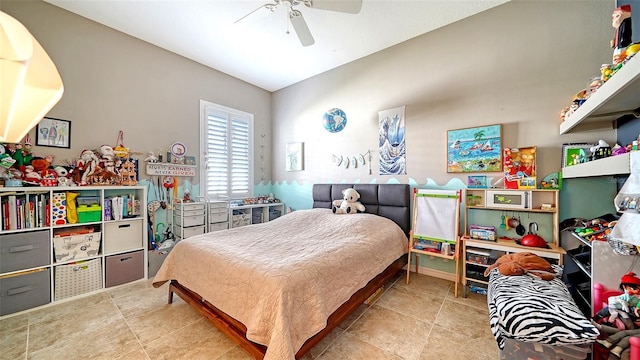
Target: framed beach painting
{"points": [[477, 149]]}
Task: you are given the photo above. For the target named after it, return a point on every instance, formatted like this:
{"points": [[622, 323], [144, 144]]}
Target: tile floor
{"points": [[419, 321]]}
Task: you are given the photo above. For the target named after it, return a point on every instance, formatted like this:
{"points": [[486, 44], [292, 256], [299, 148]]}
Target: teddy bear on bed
{"points": [[349, 203]]}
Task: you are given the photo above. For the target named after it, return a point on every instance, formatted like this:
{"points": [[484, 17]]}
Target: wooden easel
{"points": [[436, 227]]}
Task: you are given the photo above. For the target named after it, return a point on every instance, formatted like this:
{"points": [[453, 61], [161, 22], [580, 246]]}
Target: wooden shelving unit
{"points": [[477, 212]]}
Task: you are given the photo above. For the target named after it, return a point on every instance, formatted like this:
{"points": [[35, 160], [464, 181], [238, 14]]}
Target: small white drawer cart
{"points": [[189, 219], [218, 216]]}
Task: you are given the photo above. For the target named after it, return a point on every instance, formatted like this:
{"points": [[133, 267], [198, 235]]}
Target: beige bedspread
{"points": [[282, 279]]}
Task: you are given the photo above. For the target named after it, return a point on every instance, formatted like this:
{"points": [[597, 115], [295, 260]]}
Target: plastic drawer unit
{"points": [[124, 268], [27, 250], [189, 214], [190, 219], [122, 236], [218, 216]]}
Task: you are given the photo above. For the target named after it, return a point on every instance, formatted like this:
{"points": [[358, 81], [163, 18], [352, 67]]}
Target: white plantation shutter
{"points": [[228, 144]]}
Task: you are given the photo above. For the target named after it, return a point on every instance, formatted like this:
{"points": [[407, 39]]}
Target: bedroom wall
{"points": [[116, 82], [517, 64]]}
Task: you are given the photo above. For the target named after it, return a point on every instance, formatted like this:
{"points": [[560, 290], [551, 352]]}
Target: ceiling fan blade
{"points": [[301, 28], [270, 7], [345, 6]]}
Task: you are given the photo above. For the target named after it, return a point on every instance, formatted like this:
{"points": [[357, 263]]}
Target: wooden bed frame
{"points": [[377, 200]]}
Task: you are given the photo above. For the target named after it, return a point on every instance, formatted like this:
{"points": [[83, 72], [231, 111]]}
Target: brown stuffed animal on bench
{"points": [[522, 263]]}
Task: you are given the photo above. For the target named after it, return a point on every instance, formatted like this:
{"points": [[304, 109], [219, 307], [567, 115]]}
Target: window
{"points": [[227, 139]]}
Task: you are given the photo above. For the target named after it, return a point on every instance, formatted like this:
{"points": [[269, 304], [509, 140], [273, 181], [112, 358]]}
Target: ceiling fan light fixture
{"points": [[297, 20]]}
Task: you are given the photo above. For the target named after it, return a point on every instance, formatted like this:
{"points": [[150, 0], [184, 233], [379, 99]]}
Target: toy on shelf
{"points": [[520, 168], [621, 21], [599, 151], [552, 181]]}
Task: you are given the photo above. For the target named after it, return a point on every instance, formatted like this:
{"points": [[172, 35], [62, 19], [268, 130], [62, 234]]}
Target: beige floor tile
{"points": [[142, 300], [444, 344], [13, 322], [137, 354], [67, 320], [127, 289], [424, 307], [14, 332], [71, 308], [198, 340], [469, 321], [351, 347], [235, 353], [391, 331], [324, 344], [420, 284], [474, 300], [150, 325], [109, 341]]}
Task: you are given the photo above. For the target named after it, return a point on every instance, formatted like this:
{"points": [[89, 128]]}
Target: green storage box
{"points": [[89, 213]]}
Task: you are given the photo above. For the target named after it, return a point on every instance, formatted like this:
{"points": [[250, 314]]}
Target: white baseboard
{"points": [[435, 273]]}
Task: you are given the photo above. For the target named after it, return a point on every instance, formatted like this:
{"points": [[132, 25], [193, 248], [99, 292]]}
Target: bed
{"points": [[278, 288], [532, 318]]}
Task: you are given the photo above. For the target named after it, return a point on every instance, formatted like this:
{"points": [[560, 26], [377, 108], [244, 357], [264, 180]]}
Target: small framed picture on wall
{"points": [[54, 133], [295, 156]]}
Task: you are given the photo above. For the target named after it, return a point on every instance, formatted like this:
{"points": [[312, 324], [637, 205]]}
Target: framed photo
{"points": [[477, 149], [54, 133], [295, 156]]}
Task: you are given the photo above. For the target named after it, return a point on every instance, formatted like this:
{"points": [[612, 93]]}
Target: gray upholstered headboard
{"points": [[389, 200]]}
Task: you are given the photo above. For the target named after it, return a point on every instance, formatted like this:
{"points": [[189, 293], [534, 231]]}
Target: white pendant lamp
{"points": [[29, 81]]}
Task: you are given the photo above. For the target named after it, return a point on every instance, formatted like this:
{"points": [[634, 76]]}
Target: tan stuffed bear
{"points": [[523, 263], [349, 203]]}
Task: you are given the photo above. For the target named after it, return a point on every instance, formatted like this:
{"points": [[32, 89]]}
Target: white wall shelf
{"points": [[617, 96], [612, 165]]}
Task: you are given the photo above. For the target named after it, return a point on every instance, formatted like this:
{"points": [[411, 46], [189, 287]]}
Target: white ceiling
{"points": [[257, 49]]}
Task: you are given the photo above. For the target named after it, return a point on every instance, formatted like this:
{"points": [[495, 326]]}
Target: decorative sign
{"points": [[171, 169]]}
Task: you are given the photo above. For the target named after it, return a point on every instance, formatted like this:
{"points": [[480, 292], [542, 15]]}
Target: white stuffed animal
{"points": [[349, 203]]}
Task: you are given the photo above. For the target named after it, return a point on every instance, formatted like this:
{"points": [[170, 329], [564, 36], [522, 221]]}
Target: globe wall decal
{"points": [[334, 120]]}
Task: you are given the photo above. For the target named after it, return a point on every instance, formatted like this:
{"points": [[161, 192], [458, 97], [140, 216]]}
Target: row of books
{"points": [[119, 207], [24, 211]]}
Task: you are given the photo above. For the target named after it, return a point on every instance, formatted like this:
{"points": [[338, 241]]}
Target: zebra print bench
{"points": [[530, 315]]}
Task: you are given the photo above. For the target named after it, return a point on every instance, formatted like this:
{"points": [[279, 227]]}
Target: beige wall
{"points": [[116, 82], [517, 64]]}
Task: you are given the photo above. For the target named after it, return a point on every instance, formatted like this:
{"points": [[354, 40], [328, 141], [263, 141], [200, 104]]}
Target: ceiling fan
{"points": [[296, 18]]}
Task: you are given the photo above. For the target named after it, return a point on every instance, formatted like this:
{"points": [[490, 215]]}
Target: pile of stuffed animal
{"points": [[19, 167]]}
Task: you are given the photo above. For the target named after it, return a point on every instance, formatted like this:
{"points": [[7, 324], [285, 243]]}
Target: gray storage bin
{"points": [[274, 214], [156, 258], [124, 268], [25, 250], [24, 291]]}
